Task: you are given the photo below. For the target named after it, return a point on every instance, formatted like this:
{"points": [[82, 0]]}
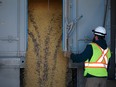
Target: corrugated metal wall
{"points": [[45, 64]]}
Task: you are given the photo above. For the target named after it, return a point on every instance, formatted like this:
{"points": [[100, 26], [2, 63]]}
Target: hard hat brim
{"points": [[98, 33]]}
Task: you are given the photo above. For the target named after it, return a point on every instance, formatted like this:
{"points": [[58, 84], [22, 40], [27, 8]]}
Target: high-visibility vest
{"points": [[97, 65]]}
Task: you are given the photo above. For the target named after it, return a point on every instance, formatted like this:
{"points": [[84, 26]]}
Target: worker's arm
{"points": [[86, 54]]}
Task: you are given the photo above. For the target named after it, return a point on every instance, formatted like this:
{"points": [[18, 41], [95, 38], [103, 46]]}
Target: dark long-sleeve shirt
{"points": [[88, 52]]}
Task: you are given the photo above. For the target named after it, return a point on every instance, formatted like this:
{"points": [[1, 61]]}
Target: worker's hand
{"points": [[67, 54]]}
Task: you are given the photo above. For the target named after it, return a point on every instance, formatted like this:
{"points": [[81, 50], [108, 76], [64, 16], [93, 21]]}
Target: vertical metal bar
{"points": [[74, 77], [18, 27], [113, 37], [105, 13], [26, 23], [73, 44], [65, 22]]}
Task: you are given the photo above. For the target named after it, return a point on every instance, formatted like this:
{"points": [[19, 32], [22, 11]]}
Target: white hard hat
{"points": [[101, 31]]}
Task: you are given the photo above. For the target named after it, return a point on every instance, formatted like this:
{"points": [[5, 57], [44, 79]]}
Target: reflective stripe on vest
{"points": [[99, 63], [95, 65]]}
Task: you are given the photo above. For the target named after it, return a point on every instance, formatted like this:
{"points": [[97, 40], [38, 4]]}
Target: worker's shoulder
{"points": [[92, 43], [89, 45]]}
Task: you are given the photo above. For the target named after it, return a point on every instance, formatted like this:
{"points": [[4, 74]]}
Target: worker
{"points": [[96, 58]]}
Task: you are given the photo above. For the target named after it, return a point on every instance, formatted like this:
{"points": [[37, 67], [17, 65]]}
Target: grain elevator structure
{"points": [[34, 34]]}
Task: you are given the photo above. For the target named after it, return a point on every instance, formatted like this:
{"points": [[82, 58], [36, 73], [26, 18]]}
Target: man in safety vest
{"points": [[96, 57]]}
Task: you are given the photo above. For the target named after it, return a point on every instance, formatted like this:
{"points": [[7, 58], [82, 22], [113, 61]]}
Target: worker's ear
{"points": [[96, 37]]}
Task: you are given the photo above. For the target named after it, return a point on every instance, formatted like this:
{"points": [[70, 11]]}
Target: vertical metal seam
{"points": [[18, 27]]}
